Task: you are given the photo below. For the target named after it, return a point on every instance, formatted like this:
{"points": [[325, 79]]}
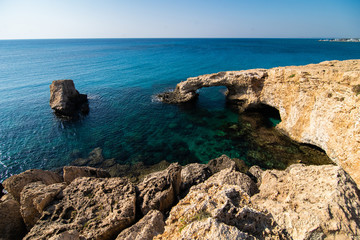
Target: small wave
{"points": [[155, 99], [3, 164], [93, 96]]}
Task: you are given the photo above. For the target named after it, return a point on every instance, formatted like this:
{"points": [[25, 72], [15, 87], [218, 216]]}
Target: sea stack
{"points": [[66, 101]]}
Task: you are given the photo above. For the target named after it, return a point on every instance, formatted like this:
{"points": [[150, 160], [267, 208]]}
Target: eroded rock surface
{"points": [[66, 100], [96, 208], [223, 203], [193, 174], [147, 228], [16, 183], [231, 177], [159, 190], [73, 172], [12, 226], [217, 164], [312, 202], [34, 198], [318, 103], [211, 228]]}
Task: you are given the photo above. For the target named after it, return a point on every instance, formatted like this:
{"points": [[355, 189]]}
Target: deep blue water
{"points": [[121, 77]]}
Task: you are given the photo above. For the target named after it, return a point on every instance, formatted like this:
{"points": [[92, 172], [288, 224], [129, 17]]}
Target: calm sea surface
{"points": [[121, 77]]}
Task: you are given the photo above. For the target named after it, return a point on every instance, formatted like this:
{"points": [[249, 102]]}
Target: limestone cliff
{"points": [[318, 103]]}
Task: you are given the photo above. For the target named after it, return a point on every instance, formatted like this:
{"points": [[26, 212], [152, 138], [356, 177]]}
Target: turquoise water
{"points": [[121, 77]]}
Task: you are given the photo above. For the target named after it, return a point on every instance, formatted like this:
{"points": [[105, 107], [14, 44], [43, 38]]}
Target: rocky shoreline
{"points": [[317, 103], [197, 201], [223, 199]]}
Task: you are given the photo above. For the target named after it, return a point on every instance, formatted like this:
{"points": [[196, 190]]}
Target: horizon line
{"points": [[80, 38]]}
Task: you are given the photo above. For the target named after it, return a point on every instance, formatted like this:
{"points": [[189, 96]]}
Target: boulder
{"points": [[231, 177], [312, 202], [34, 198], [73, 172], [12, 226], [220, 163], [147, 228], [96, 208], [65, 100], [16, 183], [159, 190], [193, 174], [222, 203]]}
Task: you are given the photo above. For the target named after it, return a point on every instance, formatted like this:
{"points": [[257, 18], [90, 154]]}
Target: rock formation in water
{"points": [[65, 100], [302, 202], [318, 103]]}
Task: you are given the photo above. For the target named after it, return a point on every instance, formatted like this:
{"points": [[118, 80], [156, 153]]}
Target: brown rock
{"points": [[255, 172], [212, 229], [317, 103], [73, 172], [193, 174], [159, 190], [66, 100], [12, 226], [312, 202], [34, 198], [95, 159], [231, 177], [68, 235], [220, 163], [1, 190], [147, 228], [223, 203], [97, 208], [16, 183]]}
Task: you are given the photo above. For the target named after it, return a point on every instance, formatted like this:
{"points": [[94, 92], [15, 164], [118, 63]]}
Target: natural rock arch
{"points": [[318, 103], [243, 86]]}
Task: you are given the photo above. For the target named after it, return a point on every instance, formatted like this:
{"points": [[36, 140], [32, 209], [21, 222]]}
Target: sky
{"points": [[42, 19]]}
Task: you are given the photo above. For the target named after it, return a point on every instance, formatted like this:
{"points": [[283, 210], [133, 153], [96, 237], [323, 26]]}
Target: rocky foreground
{"points": [[197, 201], [318, 103]]}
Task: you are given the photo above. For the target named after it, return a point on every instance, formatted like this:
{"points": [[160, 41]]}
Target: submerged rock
{"points": [[312, 202], [65, 100], [16, 183], [147, 228], [159, 190], [96, 208]]}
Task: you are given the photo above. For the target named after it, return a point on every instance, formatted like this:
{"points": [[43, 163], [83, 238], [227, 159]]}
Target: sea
{"points": [[121, 78]]}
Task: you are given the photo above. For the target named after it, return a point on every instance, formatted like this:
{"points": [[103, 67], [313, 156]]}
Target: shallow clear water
{"points": [[121, 77]]}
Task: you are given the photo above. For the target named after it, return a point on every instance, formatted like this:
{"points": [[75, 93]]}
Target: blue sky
{"points": [[174, 18]]}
